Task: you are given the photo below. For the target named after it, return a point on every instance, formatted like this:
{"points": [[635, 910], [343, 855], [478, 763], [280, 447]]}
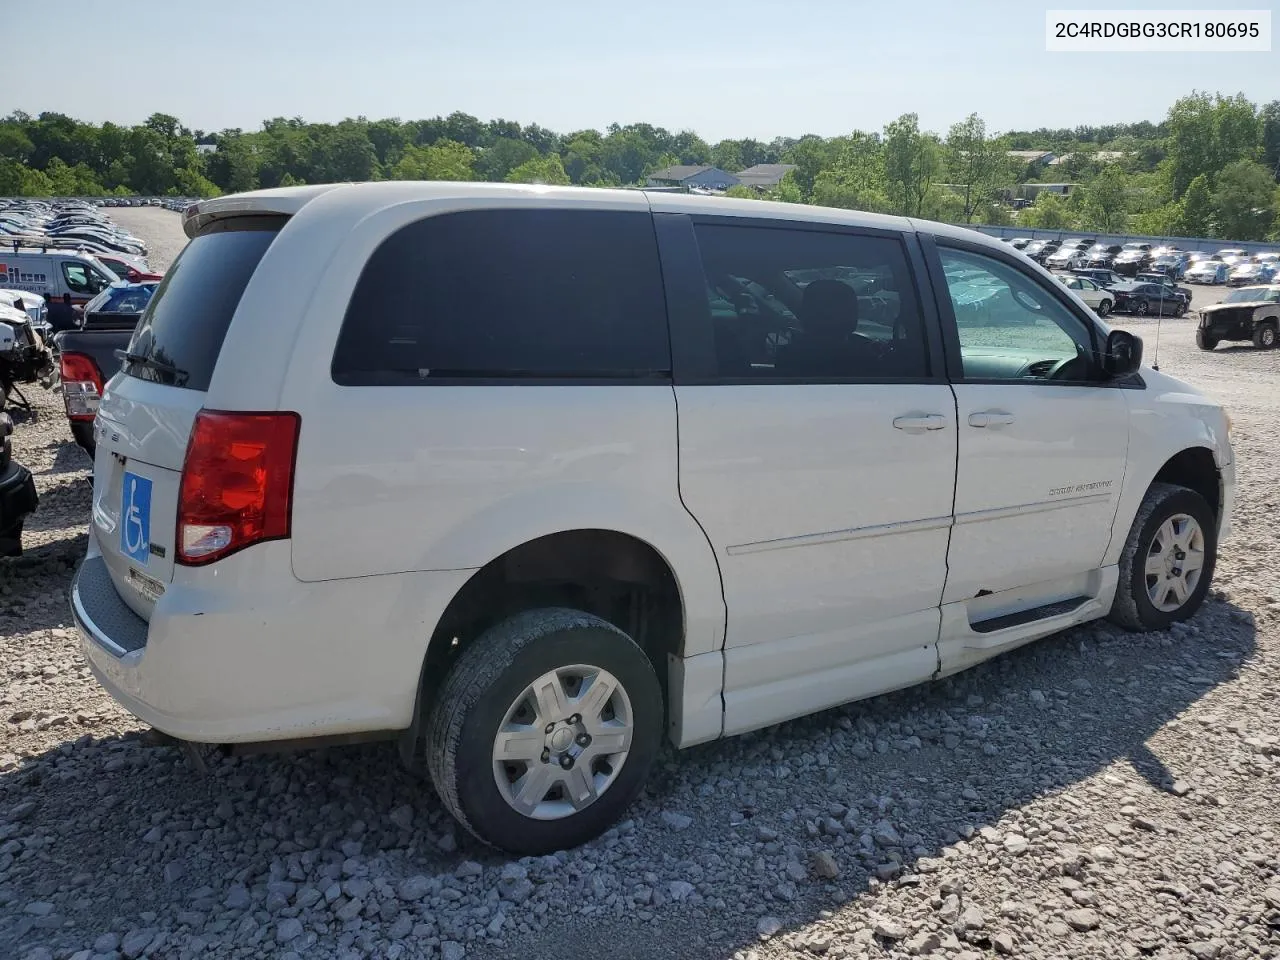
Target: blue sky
{"points": [[732, 69]]}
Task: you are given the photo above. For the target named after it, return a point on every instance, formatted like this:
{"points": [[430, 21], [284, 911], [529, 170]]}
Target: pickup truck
{"points": [[88, 355]]}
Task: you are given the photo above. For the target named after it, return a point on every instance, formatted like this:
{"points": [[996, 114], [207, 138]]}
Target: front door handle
{"points": [[990, 418], [920, 423]]}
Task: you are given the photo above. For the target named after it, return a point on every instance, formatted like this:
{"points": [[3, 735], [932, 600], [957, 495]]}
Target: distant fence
{"points": [[1182, 243]]}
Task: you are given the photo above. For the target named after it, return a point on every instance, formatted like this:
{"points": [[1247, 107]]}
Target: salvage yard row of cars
{"points": [[65, 269], [1230, 265]]}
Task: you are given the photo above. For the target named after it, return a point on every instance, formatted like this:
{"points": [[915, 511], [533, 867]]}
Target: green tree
{"points": [[1049, 212], [443, 160], [975, 163], [539, 170], [911, 162], [741, 192], [504, 156], [1244, 201], [1270, 118], [1105, 204], [1207, 133], [1196, 216]]}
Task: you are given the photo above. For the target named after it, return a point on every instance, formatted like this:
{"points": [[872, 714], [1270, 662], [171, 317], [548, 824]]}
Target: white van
{"points": [[54, 272], [526, 476]]}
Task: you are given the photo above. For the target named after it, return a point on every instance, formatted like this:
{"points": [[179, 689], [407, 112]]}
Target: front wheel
{"points": [[1142, 308], [1264, 337], [1168, 559], [544, 730], [1104, 308], [1205, 341]]}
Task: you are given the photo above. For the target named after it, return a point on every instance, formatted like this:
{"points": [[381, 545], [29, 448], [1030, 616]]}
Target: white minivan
{"points": [[526, 477]]}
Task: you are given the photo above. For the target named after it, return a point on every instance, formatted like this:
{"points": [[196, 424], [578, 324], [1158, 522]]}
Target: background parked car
{"points": [[1250, 313], [1099, 298], [1172, 265], [1133, 258], [1066, 258], [1147, 298], [1206, 271], [1102, 255], [1249, 274], [1103, 278]]}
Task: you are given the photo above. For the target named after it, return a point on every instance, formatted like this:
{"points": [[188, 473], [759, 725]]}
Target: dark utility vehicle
{"points": [[90, 354], [1249, 313]]}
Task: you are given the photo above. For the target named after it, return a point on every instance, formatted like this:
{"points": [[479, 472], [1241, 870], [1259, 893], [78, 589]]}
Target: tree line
{"points": [[1208, 169]]}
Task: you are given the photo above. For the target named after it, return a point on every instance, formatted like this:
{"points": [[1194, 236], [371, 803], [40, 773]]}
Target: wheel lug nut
{"points": [[551, 728], [566, 762], [575, 719], [546, 755], [583, 740]]}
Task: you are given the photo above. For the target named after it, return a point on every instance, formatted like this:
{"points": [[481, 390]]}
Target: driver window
{"points": [[1009, 327], [77, 277], [810, 305]]}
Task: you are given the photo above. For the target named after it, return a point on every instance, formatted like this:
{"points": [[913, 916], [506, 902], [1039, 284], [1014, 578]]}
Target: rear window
{"points": [[509, 294], [180, 335]]}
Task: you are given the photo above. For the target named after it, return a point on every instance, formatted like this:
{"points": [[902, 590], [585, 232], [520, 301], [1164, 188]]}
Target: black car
{"points": [[1102, 255], [1171, 289], [1132, 260], [1103, 278], [1147, 298], [18, 495]]}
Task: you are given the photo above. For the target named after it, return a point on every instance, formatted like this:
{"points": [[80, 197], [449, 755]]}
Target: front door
{"points": [[1043, 438], [818, 453]]}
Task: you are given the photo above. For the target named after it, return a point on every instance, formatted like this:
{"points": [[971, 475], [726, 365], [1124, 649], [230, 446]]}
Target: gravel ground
{"points": [[1093, 795]]}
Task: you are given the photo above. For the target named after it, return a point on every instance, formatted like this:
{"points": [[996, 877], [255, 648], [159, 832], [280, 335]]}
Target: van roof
{"points": [[373, 195]]}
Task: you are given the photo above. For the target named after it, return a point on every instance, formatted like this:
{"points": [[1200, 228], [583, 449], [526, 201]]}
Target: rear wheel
{"points": [[1104, 308], [1264, 337], [1142, 307], [1205, 340], [544, 730], [1168, 559]]}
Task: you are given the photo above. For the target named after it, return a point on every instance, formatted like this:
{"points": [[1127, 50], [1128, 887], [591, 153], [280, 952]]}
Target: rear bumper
{"points": [[82, 431], [237, 653], [18, 498]]}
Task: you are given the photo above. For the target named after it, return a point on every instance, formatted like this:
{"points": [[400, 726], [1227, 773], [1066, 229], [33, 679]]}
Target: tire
{"points": [[491, 679], [1180, 310], [1104, 308], [1134, 607], [1204, 341], [1264, 336], [1142, 308]]}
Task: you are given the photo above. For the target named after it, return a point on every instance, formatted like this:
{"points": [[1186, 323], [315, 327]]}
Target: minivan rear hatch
{"points": [[145, 418]]}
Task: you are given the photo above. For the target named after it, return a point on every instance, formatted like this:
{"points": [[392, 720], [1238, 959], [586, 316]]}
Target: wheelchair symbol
{"points": [[135, 536]]}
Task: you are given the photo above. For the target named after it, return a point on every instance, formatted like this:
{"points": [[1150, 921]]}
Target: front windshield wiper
{"points": [[179, 375]]}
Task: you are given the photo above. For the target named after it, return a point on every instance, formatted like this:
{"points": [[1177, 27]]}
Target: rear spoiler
{"points": [[285, 201]]}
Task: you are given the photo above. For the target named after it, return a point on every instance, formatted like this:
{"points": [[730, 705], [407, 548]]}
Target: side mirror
{"points": [[1122, 355]]}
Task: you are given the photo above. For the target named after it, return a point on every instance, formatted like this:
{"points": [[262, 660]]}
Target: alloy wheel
{"points": [[1175, 561], [563, 742]]}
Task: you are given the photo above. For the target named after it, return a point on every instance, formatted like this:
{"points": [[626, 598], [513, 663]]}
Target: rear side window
{"points": [[178, 338], [810, 305], [509, 294]]}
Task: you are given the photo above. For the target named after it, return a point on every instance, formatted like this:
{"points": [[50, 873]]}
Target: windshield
{"points": [[1253, 295]]}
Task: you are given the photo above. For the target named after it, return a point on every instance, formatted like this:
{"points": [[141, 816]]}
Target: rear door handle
{"points": [[920, 423], [990, 418]]}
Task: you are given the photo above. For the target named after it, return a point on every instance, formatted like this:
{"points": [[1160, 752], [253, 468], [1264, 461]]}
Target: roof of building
{"points": [[1101, 156], [764, 174], [682, 172], [1029, 155]]}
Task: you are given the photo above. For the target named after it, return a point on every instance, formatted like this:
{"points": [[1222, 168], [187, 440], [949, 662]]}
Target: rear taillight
{"points": [[237, 483], [81, 385]]}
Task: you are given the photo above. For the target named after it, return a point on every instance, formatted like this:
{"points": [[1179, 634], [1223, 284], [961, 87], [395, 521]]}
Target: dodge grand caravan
{"points": [[527, 477]]}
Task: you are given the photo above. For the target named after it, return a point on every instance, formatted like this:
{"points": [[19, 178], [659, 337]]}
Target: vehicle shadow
{"points": [[936, 763]]}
